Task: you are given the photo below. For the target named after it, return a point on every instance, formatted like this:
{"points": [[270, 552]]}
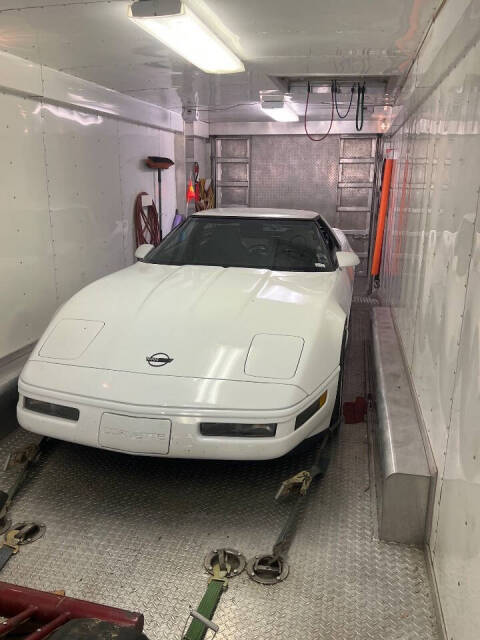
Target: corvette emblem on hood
{"points": [[158, 360]]}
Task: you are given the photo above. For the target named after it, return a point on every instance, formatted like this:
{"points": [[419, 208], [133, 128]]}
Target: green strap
{"points": [[197, 630], [6, 553]]}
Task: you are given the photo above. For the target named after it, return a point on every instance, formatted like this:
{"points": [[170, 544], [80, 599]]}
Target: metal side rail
{"points": [[404, 471]]}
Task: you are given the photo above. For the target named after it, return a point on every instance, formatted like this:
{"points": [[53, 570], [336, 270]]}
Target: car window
{"points": [[275, 244], [331, 242]]}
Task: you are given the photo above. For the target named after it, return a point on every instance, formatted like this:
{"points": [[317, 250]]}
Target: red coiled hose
{"points": [[147, 228]]}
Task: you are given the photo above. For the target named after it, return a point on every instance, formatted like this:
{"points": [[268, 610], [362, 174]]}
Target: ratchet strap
{"points": [[22, 533], [202, 617], [273, 568], [24, 459], [9, 547], [298, 485]]}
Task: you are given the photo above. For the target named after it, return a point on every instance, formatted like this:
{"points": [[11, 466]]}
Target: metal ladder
{"points": [[231, 169], [356, 177]]}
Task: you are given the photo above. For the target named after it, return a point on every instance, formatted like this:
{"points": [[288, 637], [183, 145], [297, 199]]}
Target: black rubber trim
{"points": [[307, 413], [50, 409]]}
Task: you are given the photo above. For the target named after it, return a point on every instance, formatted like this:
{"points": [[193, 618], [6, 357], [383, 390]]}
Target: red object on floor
{"points": [[354, 412], [49, 611], [349, 412]]}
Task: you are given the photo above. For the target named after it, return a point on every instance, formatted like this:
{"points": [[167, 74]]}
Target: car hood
{"points": [[202, 322]]}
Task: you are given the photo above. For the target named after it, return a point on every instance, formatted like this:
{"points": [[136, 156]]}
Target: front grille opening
{"points": [[311, 410], [50, 409]]}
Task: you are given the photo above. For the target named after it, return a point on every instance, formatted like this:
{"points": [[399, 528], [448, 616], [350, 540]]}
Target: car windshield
{"points": [[258, 243]]}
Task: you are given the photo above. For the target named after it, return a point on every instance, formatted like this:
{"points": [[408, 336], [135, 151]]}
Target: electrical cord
{"points": [[250, 104], [349, 106], [360, 102], [232, 106], [147, 228], [309, 135]]}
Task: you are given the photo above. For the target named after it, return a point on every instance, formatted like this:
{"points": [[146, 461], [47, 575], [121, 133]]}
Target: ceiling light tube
{"points": [[177, 27], [280, 110]]}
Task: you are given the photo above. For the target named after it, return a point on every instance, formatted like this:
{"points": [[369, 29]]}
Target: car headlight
{"points": [[238, 430]]}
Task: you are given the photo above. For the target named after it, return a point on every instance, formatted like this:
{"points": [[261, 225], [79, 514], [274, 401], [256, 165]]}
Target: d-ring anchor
{"points": [[229, 560], [267, 569], [28, 532]]}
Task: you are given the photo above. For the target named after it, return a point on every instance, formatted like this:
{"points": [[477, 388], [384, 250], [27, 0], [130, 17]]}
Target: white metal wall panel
{"points": [[27, 284], [85, 204], [69, 181], [134, 144], [456, 551], [20, 74], [431, 279], [446, 252], [81, 93], [405, 235], [166, 148], [180, 171], [26, 76]]}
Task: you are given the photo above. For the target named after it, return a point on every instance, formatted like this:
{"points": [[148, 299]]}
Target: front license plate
{"points": [[135, 435]]}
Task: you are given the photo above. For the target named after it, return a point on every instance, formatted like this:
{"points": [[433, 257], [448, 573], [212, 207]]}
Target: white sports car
{"points": [[226, 341]]}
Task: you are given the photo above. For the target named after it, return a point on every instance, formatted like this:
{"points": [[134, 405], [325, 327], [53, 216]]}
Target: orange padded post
{"points": [[382, 215]]}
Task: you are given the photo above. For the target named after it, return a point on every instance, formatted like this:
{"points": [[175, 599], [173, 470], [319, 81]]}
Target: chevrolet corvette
{"points": [[226, 341]]}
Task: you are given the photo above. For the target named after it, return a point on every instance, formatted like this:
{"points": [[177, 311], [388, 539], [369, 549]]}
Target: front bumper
{"points": [[174, 431]]}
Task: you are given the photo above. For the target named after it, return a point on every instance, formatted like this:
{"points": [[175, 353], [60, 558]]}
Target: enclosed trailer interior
{"points": [[366, 113]]}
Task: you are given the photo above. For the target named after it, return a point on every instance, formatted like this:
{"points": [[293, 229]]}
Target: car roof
{"points": [[251, 212]]}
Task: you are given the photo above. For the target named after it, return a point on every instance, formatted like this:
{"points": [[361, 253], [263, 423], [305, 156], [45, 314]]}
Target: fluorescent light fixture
{"points": [[319, 88], [278, 108], [174, 24]]}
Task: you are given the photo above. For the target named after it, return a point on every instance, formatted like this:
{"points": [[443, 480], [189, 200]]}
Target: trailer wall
{"points": [[431, 278], [68, 181]]}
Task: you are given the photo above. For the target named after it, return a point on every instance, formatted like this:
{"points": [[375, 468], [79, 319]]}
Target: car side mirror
{"points": [[142, 251], [347, 259]]}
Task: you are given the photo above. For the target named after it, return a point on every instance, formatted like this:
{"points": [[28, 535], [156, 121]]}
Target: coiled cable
{"points": [[147, 228], [309, 135], [360, 102], [342, 117]]}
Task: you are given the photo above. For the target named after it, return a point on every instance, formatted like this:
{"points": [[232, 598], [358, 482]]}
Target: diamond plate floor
{"points": [[132, 532]]}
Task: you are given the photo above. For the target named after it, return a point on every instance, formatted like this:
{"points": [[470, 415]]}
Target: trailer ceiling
{"points": [[95, 40]]}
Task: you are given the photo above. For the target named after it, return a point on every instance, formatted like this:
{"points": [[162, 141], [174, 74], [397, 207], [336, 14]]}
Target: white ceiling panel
{"points": [[272, 28], [94, 40], [12, 5]]}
